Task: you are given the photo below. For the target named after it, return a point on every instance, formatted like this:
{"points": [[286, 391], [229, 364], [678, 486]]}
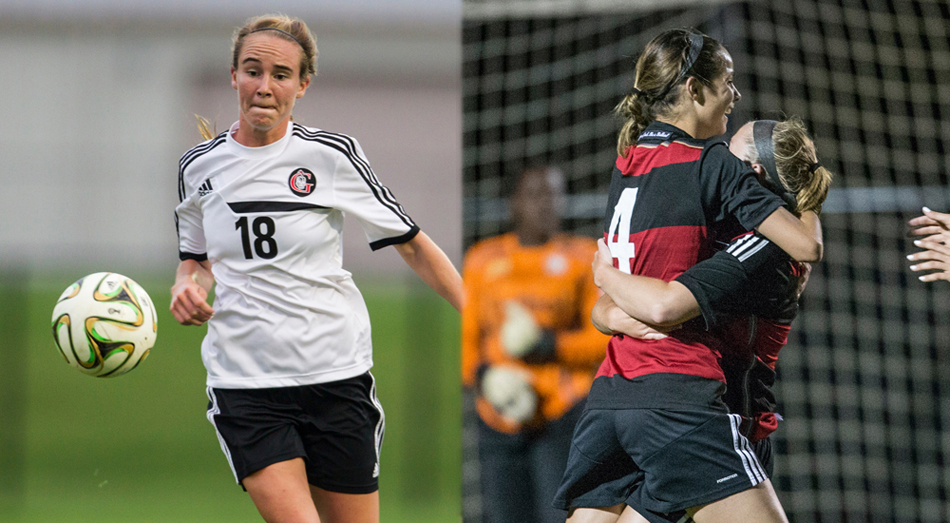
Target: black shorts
{"points": [[660, 459], [336, 427], [763, 450]]}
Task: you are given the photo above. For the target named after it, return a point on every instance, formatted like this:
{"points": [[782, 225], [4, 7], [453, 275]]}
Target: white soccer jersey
{"points": [[269, 220]]}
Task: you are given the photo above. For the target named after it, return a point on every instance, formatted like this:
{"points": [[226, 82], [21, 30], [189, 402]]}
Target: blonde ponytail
{"points": [[204, 127], [813, 194]]}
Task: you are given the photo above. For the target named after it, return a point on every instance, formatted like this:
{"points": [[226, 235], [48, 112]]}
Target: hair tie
{"points": [[641, 94], [281, 31], [813, 167]]}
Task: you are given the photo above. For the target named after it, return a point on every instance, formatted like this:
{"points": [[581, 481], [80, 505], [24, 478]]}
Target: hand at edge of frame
{"points": [[930, 223], [935, 257]]}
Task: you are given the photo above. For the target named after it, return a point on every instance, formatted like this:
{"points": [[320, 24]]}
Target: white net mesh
{"points": [[864, 384]]}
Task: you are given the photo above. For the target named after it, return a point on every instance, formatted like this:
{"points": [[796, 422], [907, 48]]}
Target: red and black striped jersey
{"points": [[748, 295], [668, 195]]}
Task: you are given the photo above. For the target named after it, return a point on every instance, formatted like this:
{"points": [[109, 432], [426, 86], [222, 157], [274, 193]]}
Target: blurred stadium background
{"points": [[100, 97], [864, 384]]}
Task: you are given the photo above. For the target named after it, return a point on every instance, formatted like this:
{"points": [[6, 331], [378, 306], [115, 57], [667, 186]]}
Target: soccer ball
{"points": [[104, 324]]}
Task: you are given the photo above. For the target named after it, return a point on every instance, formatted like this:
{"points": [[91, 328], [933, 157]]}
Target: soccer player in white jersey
{"points": [[288, 348]]}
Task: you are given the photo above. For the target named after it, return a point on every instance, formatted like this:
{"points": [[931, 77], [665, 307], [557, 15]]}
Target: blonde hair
{"points": [[795, 161], [659, 71], [289, 28]]}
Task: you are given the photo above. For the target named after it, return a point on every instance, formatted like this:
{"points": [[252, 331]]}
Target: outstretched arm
{"points": [[193, 282], [434, 267], [650, 300], [800, 238], [935, 227]]}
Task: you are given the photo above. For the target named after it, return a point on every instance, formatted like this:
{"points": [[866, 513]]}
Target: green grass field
{"points": [[138, 448]]}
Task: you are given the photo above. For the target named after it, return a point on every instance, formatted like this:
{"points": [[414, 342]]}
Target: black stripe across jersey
{"points": [[269, 220]]}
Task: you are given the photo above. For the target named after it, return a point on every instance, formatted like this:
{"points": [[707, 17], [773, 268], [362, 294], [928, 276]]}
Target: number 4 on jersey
{"points": [[618, 236]]}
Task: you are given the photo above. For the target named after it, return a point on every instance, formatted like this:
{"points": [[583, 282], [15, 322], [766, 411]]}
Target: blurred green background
{"points": [[139, 448]]}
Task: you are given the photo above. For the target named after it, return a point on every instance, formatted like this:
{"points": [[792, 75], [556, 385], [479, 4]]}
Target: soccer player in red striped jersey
{"points": [[747, 292], [655, 432]]}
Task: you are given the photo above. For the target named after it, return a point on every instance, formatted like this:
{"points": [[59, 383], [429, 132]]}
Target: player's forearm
{"points": [[601, 316], [610, 319], [434, 267], [800, 238], [197, 272], [650, 300]]}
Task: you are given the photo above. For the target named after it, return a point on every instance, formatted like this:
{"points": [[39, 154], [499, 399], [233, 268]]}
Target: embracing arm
{"points": [[433, 266], [193, 282], [800, 238], [650, 300], [609, 319]]}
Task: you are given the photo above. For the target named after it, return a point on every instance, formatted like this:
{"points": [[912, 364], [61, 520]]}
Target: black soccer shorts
{"points": [[763, 450], [336, 427], [662, 460]]}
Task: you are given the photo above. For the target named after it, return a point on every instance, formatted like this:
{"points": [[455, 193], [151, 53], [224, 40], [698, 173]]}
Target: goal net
{"points": [[864, 384]]}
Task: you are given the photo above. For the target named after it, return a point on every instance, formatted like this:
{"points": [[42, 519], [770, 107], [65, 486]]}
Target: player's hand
{"points": [[603, 261], [637, 329], [609, 319], [190, 303], [934, 257], [520, 331], [803, 279], [930, 223]]}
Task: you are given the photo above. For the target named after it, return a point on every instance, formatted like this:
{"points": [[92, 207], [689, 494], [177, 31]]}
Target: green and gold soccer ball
{"points": [[104, 324]]}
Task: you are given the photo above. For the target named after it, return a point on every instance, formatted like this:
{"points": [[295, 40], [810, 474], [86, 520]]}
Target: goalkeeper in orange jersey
{"points": [[529, 350]]}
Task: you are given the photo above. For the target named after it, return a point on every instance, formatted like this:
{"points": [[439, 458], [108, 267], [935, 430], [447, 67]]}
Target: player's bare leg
{"points": [[758, 504], [336, 507], [281, 493], [631, 516], [596, 514]]}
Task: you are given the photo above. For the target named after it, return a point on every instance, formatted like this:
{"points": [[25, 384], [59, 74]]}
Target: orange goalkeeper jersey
{"points": [[555, 283]]}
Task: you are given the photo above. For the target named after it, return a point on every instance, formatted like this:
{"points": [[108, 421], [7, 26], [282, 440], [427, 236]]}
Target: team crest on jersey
{"points": [[302, 181]]}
